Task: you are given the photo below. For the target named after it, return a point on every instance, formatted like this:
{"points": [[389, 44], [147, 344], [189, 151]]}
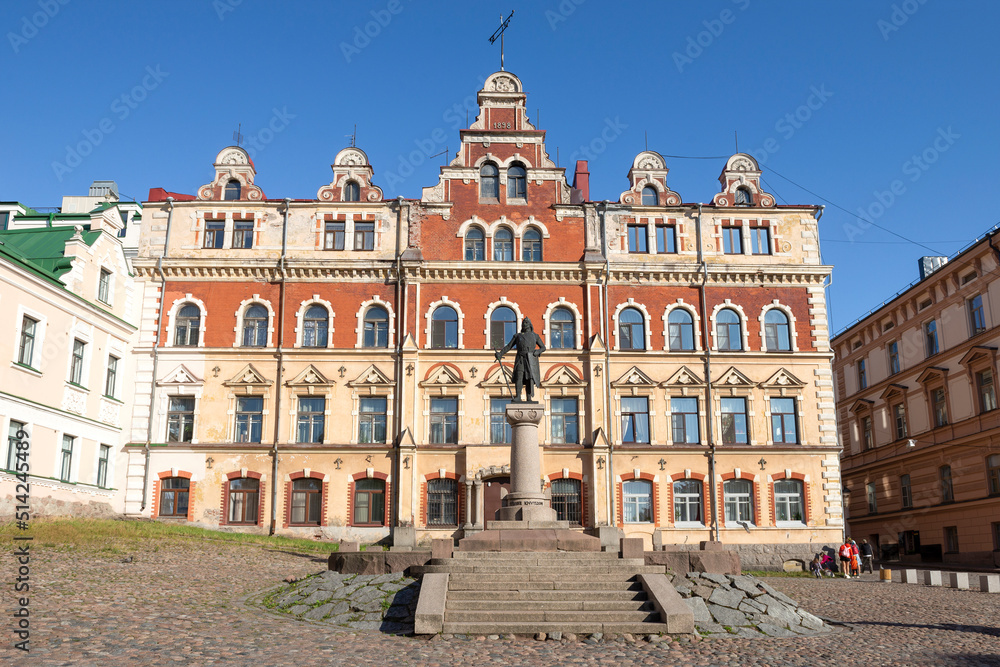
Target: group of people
{"points": [[854, 560]]}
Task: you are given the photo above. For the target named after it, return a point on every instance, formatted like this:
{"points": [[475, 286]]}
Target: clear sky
{"points": [[886, 108]]}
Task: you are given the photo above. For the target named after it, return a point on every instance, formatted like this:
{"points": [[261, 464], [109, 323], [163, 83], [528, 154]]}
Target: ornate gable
{"points": [[783, 378], [932, 374], [633, 377], [248, 377], [734, 378], [232, 164], [443, 375], [979, 354], [371, 377], [180, 376], [861, 405], [310, 377], [649, 169], [684, 377], [893, 391], [562, 375], [494, 377], [351, 165], [742, 173]]}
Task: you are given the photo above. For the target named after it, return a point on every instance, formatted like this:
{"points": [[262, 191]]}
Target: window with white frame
{"points": [[503, 325], [631, 330], [562, 329], [738, 500], [66, 458], [372, 419], [249, 418], [789, 503], [688, 501], [637, 501], [777, 333], [783, 426], [376, 327], [111, 377], [311, 418], [187, 327], [680, 330], [315, 326], [15, 433], [104, 287], [256, 320], [103, 461], [26, 348], [734, 421], [684, 420], [180, 418], [635, 419], [728, 331], [564, 416], [76, 362]]}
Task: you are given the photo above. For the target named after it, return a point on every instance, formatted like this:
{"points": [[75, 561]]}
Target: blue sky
{"points": [[883, 107]]}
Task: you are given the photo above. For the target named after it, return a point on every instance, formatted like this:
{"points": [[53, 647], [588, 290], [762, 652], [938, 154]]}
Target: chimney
{"points": [[581, 182]]}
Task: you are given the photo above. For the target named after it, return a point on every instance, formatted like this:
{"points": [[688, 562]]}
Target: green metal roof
{"points": [[42, 250]]}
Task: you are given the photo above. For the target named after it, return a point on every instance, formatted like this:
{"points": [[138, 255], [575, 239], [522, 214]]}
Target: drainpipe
{"points": [[713, 526], [280, 363], [156, 352], [397, 420], [607, 367]]}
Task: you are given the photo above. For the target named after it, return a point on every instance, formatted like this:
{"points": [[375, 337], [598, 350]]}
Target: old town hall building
{"points": [[326, 366]]}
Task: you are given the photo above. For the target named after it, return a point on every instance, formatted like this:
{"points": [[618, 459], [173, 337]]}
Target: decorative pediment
{"points": [[633, 378], [405, 440], [740, 180], [596, 344], [494, 376], [893, 391], [734, 378], [979, 354], [932, 374], [862, 405], [684, 377], [782, 378], [370, 377], [351, 166], [249, 376], [180, 375], [232, 164], [443, 375], [310, 376], [562, 375]]}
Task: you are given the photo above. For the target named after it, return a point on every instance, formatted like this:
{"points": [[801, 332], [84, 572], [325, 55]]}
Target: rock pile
{"points": [[384, 602], [742, 605]]}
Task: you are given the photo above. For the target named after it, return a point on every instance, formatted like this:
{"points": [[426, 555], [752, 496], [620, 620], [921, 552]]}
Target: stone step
{"points": [[550, 605], [501, 570], [531, 616], [533, 575], [535, 555], [543, 563], [553, 595], [465, 628], [475, 583]]}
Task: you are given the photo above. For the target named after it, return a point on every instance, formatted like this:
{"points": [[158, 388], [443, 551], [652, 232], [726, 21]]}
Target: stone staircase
{"points": [[532, 592]]}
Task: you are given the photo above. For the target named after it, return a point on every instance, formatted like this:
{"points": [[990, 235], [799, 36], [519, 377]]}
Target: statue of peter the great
{"points": [[529, 346]]}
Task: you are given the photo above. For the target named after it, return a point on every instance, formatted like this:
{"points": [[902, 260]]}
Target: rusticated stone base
{"points": [[529, 540]]}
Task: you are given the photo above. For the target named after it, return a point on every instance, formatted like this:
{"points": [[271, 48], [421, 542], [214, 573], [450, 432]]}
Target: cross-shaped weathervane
{"points": [[499, 33]]}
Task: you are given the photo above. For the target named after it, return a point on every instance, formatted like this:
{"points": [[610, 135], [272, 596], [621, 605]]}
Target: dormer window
{"points": [[352, 191], [232, 191], [489, 181], [650, 197], [743, 197], [517, 180]]}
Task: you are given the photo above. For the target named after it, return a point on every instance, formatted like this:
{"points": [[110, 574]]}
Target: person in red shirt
{"points": [[855, 558], [845, 558]]}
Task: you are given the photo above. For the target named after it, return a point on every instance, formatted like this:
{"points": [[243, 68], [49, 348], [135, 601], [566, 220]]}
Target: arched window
{"points": [[631, 330], [650, 197], [680, 330], [444, 328], [503, 325], [314, 326], [232, 192], [174, 496], [789, 505], [688, 502], [442, 502], [255, 321], [743, 197], [562, 327], [738, 499], [244, 500], [475, 245], [369, 502], [517, 181], [352, 191], [531, 246], [376, 327], [503, 246], [566, 500], [776, 332], [307, 502], [728, 331], [188, 326], [489, 181], [637, 501]]}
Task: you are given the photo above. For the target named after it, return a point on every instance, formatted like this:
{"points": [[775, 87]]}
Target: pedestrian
{"points": [[816, 567], [867, 556], [855, 559], [845, 558], [829, 565]]}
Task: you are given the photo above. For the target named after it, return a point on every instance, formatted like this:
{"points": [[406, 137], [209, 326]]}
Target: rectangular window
{"points": [[899, 420], [872, 498], [243, 234], [977, 318], [862, 375], [789, 505], [66, 464], [307, 502], [635, 419], [12, 440], [684, 421], [687, 501], [500, 431], [442, 502], [371, 426], [905, 491], [249, 418], [333, 238], [732, 240], [564, 417], [111, 378], [102, 466], [666, 239], [364, 235], [444, 421], [987, 391], [637, 239], [940, 407], [734, 421], [783, 428], [931, 338], [760, 240], [180, 419], [26, 351], [214, 233], [951, 539], [996, 535], [369, 502], [947, 487], [894, 366], [4, 220], [637, 501], [104, 287], [312, 418], [992, 472], [867, 436], [566, 500], [737, 500], [76, 363], [244, 500]]}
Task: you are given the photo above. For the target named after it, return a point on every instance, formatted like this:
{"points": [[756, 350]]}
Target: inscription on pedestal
{"points": [[525, 502]]}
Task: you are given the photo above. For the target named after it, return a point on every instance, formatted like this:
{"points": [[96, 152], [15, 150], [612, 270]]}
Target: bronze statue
{"points": [[526, 370]]}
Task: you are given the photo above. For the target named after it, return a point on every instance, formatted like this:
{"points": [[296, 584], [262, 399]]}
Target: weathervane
{"points": [[499, 33], [238, 135]]}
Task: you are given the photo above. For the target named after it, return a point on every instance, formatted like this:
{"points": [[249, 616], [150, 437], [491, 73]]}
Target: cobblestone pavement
{"points": [[183, 604]]}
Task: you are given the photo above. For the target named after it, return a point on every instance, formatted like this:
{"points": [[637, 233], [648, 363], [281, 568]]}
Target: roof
{"points": [[43, 250]]}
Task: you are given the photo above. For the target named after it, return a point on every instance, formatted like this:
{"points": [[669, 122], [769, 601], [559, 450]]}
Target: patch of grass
{"points": [[775, 573], [116, 536]]}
